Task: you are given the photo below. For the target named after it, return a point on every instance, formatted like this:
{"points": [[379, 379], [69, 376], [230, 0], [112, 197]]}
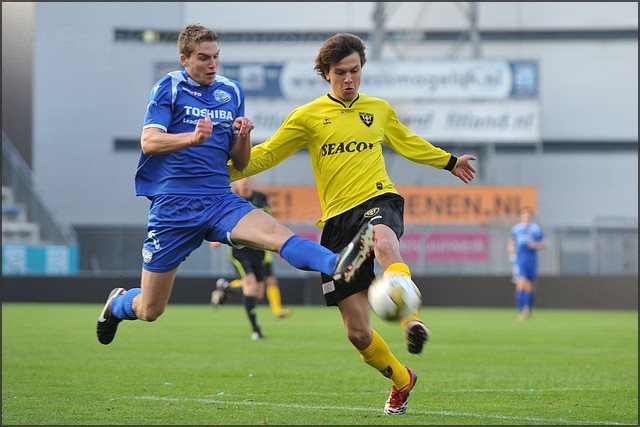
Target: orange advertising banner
{"points": [[465, 205], [445, 205]]}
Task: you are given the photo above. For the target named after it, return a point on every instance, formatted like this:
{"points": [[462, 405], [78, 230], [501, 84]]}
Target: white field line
{"points": [[356, 409], [475, 390]]}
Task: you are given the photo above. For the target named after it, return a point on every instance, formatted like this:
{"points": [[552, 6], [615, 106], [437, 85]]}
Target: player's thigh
{"points": [[257, 229]]}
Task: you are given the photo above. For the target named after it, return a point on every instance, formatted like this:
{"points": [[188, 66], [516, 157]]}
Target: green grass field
{"points": [[198, 366]]}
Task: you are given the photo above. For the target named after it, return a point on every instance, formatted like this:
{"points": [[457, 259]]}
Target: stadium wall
{"points": [[587, 95], [567, 292]]}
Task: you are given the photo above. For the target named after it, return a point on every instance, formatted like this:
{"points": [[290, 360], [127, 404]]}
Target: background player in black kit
{"points": [[254, 268]]}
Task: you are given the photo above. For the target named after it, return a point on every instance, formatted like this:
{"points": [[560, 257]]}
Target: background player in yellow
{"points": [[344, 132]]}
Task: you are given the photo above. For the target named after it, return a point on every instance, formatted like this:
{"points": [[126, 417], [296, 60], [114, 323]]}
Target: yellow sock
{"points": [[401, 268], [378, 356], [413, 316], [275, 302], [235, 283]]}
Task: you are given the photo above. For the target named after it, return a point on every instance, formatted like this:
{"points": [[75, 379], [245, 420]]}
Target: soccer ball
{"points": [[394, 296]]}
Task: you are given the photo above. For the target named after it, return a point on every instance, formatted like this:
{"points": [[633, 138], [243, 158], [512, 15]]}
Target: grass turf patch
{"points": [[198, 366]]}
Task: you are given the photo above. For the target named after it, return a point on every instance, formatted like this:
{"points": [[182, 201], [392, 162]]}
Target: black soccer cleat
{"points": [[107, 324], [354, 254], [417, 334]]}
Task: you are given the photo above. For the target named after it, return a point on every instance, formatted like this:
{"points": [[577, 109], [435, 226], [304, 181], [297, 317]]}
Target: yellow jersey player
{"points": [[344, 132]]}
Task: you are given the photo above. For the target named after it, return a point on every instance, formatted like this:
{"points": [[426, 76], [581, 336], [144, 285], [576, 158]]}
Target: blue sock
{"points": [[121, 305], [520, 302], [529, 299], [308, 255]]}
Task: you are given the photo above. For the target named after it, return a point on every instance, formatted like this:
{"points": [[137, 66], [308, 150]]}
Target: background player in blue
{"points": [[526, 238], [193, 126]]}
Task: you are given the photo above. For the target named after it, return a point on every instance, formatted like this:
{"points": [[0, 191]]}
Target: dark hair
{"points": [[194, 34], [336, 49]]}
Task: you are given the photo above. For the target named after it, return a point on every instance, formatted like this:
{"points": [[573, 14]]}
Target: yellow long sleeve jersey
{"points": [[345, 145]]}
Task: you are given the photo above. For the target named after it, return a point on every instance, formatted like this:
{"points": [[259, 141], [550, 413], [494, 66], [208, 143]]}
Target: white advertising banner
{"points": [[396, 80], [468, 122], [413, 80]]}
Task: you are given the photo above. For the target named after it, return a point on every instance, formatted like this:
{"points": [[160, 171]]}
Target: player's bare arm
{"points": [[240, 152], [157, 141]]}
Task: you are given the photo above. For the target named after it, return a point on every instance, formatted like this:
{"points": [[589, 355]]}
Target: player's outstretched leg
{"points": [[354, 254]]}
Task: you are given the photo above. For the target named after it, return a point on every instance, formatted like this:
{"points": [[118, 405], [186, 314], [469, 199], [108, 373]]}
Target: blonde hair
{"points": [[192, 35]]}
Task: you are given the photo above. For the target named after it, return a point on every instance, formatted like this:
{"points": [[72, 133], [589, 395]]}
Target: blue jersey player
{"points": [[525, 240], [193, 126]]}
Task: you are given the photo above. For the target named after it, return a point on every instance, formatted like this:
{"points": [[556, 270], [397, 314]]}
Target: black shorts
{"points": [[267, 269], [248, 260], [387, 209]]}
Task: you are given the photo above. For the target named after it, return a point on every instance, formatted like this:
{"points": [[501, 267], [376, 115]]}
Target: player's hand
{"points": [[243, 125], [463, 169], [204, 129], [214, 244]]}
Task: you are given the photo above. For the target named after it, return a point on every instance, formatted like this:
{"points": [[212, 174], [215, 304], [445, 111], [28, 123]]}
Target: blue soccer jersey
{"points": [[522, 235], [175, 104], [526, 258]]}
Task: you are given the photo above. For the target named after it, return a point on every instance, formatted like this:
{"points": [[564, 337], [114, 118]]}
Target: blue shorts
{"points": [[526, 269], [179, 224]]}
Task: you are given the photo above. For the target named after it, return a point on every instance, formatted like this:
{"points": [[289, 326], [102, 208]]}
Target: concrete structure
{"points": [[89, 84]]}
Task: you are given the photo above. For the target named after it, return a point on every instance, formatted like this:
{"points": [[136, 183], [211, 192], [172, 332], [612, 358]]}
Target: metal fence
{"points": [[609, 248]]}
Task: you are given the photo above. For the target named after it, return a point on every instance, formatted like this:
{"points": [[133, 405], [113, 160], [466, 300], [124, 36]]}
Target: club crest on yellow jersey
{"points": [[367, 118]]}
